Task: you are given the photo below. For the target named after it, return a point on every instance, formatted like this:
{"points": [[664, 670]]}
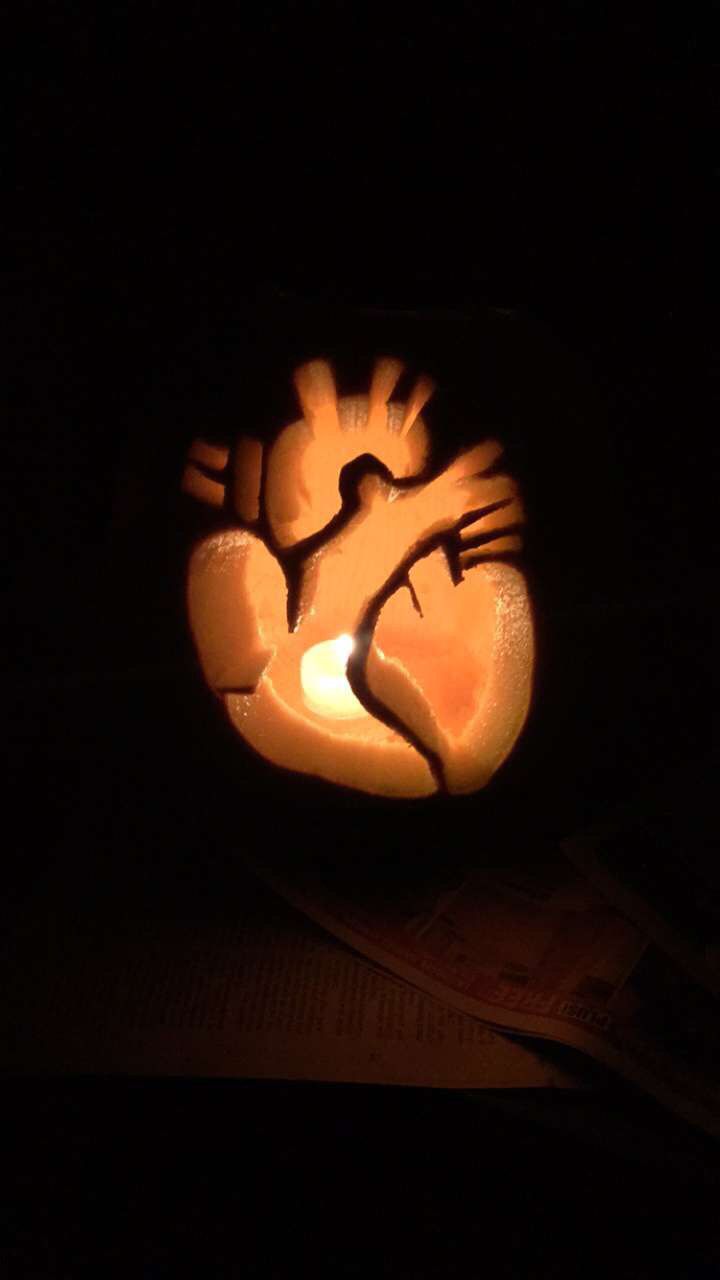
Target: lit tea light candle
{"points": [[323, 676]]}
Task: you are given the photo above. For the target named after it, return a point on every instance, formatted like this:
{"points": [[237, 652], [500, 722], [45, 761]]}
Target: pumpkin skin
{"points": [[406, 573]]}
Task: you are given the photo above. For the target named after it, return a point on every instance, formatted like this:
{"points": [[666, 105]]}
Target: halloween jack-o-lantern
{"points": [[358, 619]]}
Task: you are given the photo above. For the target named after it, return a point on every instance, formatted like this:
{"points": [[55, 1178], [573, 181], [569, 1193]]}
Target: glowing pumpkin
{"points": [[358, 621]]}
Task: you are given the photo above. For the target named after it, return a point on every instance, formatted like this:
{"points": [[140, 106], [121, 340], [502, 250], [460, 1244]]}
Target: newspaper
{"points": [[530, 947], [261, 994], [656, 860]]}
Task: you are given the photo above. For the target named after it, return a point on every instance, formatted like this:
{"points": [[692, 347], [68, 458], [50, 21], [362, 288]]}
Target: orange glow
{"points": [[407, 665]]}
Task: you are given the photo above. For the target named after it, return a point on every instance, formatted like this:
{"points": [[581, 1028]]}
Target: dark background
{"points": [[187, 194]]}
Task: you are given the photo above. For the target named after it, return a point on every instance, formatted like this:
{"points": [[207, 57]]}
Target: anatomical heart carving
{"points": [[361, 617]]}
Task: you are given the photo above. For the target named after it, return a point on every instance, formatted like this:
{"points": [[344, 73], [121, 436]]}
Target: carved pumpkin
{"points": [[358, 620]]}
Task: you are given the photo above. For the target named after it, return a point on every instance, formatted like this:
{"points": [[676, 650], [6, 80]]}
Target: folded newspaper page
{"points": [[532, 948], [263, 994], [657, 861]]}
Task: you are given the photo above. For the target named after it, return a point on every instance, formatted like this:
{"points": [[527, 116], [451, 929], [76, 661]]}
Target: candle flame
{"points": [[323, 676]]}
